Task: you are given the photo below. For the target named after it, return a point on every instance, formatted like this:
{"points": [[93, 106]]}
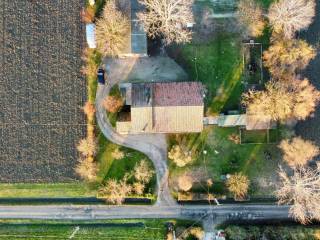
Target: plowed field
{"points": [[41, 89]]}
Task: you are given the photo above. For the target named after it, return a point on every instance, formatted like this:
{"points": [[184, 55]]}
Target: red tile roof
{"points": [[178, 94]]}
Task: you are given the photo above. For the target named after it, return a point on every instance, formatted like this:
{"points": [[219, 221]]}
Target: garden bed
{"points": [[259, 136]]}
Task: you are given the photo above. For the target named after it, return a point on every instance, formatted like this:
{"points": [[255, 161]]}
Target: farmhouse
{"points": [[174, 107]]}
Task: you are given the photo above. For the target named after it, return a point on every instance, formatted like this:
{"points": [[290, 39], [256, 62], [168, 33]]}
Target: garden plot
{"points": [[41, 89], [252, 60]]}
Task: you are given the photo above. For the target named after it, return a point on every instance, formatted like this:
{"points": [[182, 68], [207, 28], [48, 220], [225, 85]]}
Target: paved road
{"points": [[153, 146], [91, 212]]}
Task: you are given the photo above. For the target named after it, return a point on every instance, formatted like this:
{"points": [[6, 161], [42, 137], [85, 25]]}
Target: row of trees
{"points": [[287, 96], [87, 147], [286, 17], [115, 191], [166, 19]]}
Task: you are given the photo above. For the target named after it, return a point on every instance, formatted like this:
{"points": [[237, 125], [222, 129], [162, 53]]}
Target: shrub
{"points": [[87, 147], [87, 14], [235, 138], [181, 157], [185, 183], [89, 109], [142, 172], [236, 233], [238, 185], [115, 191], [92, 59], [197, 232], [87, 169], [138, 188], [117, 154], [113, 104]]}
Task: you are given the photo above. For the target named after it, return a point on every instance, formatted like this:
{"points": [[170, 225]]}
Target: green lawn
{"points": [[117, 168], [226, 157], [219, 66], [254, 136], [77, 189], [107, 229]]}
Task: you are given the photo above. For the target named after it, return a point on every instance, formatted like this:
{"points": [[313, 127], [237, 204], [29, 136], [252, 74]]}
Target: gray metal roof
{"points": [[138, 35]]}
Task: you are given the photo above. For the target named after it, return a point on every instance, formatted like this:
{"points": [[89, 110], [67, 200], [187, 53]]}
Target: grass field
{"points": [[42, 190], [218, 65], [117, 168], [112, 229], [226, 157]]}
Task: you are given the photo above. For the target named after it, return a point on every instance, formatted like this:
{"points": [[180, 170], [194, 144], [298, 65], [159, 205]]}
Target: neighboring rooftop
{"points": [[167, 94], [137, 38]]}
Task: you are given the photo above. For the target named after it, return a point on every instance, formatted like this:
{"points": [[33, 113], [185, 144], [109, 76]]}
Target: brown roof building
{"points": [[174, 107]]}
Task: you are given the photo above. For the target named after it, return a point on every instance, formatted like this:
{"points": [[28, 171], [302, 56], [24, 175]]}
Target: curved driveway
{"points": [[153, 145]]}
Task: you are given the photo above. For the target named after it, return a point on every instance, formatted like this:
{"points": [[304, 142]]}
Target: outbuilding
{"points": [[91, 35]]}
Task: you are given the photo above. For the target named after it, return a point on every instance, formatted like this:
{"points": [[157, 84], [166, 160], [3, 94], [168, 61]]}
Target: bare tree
{"points": [[302, 191], [138, 188], [142, 172], [112, 30], [285, 57], [297, 152], [185, 183], [238, 185], [115, 191], [290, 16], [275, 101], [180, 155], [250, 16], [295, 99], [89, 109], [113, 103], [87, 169], [117, 154], [87, 147], [306, 98], [167, 19]]}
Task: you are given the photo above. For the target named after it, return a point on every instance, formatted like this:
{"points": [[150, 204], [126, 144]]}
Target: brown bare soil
{"points": [[41, 89]]}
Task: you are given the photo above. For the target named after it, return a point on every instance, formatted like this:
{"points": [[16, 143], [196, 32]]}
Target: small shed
{"points": [[91, 35]]}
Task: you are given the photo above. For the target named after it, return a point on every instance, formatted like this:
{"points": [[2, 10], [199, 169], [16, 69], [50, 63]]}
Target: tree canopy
{"points": [[297, 152], [289, 16], [111, 30], [167, 19]]}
